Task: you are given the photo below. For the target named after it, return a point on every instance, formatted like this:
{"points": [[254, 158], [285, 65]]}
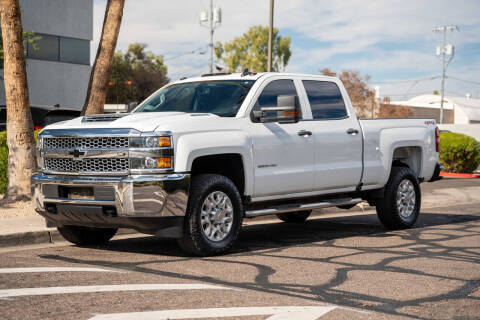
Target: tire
{"points": [[216, 230], [84, 236], [404, 213], [294, 217]]}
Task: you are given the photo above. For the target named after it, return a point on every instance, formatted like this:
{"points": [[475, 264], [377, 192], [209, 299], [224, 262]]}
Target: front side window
{"points": [[223, 97], [325, 99], [268, 97]]}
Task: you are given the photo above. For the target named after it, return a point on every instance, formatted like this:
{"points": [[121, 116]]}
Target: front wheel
{"points": [[214, 215], [400, 206], [83, 236]]}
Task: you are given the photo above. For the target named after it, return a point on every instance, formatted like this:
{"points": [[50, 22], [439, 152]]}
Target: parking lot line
{"points": [[9, 293], [55, 269], [276, 313]]}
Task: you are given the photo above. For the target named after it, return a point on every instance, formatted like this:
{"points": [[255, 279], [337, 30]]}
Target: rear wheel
{"points": [[214, 215], [400, 207], [294, 217], [86, 235]]}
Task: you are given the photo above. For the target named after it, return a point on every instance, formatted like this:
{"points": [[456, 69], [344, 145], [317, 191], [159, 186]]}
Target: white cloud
{"points": [[371, 36]]}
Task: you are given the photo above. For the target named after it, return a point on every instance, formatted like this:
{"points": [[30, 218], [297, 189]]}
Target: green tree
{"points": [[136, 74], [251, 51]]}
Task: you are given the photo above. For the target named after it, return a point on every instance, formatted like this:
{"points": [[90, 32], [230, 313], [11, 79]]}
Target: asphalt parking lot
{"points": [[341, 265]]}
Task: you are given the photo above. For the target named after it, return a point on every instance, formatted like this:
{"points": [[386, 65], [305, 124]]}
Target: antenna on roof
{"points": [[245, 73]]}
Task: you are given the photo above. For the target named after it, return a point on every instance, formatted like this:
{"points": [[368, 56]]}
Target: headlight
{"points": [[151, 152], [151, 142]]}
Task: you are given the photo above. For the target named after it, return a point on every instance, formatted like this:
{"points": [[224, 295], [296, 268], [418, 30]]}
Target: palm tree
{"points": [[20, 140], [100, 76]]}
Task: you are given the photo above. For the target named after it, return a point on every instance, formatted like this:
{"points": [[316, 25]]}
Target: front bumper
{"points": [[130, 196]]}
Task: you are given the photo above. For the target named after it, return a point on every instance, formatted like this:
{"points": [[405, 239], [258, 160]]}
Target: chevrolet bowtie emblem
{"points": [[76, 153]]}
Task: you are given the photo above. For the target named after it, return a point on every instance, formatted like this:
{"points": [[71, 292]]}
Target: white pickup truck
{"points": [[201, 154]]}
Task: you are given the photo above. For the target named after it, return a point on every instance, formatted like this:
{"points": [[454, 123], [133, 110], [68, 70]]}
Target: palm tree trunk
{"points": [[20, 140], [100, 76]]}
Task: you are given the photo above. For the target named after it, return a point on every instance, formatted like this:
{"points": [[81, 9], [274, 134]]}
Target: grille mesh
{"points": [[86, 143], [117, 165]]}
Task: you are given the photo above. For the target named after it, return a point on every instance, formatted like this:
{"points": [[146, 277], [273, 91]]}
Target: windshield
{"points": [[222, 98]]}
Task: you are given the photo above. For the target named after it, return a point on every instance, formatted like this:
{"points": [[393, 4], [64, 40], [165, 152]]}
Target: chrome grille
{"points": [[93, 165], [86, 143]]}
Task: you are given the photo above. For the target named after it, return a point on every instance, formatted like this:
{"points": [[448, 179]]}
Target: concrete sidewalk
{"points": [[447, 192], [26, 231]]}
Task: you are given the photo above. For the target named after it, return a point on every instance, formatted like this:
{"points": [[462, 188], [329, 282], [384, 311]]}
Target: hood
{"points": [[141, 121]]}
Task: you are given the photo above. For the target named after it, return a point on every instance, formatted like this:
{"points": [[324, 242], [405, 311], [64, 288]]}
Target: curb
{"points": [[39, 237], [460, 175], [28, 238]]}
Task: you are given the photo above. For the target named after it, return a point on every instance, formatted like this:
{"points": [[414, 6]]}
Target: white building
{"points": [[58, 72], [465, 110]]}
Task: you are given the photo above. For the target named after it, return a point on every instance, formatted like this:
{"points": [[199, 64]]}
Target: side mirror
{"points": [[286, 111], [131, 106]]}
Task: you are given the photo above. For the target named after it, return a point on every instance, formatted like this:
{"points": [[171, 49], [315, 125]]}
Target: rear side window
{"points": [[325, 99]]}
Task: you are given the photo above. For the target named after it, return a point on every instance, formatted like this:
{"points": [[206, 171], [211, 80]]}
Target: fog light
{"points": [[150, 163]]}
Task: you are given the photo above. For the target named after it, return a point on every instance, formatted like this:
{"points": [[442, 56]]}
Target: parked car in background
{"points": [[42, 115]]}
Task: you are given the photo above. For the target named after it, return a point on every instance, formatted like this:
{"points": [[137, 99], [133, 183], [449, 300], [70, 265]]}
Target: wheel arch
{"points": [[193, 147], [230, 165]]}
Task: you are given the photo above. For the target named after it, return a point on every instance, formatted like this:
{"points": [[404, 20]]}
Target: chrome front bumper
{"points": [[131, 196]]}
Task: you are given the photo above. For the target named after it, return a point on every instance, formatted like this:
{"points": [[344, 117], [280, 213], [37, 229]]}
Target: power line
{"points": [[406, 80], [186, 53], [403, 94], [463, 80]]}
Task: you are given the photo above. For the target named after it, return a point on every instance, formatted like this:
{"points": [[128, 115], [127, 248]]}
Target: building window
{"points": [[47, 48], [74, 50], [62, 49]]}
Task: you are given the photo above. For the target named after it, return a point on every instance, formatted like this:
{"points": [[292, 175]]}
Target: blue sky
{"points": [[388, 40]]}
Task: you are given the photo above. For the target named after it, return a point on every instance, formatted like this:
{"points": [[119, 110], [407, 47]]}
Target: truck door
{"points": [[282, 152], [337, 138]]}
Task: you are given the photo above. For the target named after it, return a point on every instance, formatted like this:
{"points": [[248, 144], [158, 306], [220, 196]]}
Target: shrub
{"points": [[4, 160], [459, 153]]}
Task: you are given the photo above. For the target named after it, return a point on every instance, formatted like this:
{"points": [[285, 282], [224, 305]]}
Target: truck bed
{"points": [[387, 140]]}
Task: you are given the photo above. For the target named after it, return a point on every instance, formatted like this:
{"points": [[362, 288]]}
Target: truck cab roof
{"points": [[250, 76]]}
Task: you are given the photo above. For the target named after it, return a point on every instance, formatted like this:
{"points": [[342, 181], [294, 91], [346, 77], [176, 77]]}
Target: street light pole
{"points": [[444, 50], [270, 38], [210, 62], [214, 19]]}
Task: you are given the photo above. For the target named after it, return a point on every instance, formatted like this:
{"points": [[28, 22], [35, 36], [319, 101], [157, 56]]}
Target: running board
{"points": [[299, 207]]}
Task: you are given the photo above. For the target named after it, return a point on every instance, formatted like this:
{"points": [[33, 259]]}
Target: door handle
{"points": [[352, 131], [304, 133]]}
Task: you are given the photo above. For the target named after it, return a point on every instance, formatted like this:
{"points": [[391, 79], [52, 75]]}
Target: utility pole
{"points": [[211, 19], [443, 51], [270, 38]]}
